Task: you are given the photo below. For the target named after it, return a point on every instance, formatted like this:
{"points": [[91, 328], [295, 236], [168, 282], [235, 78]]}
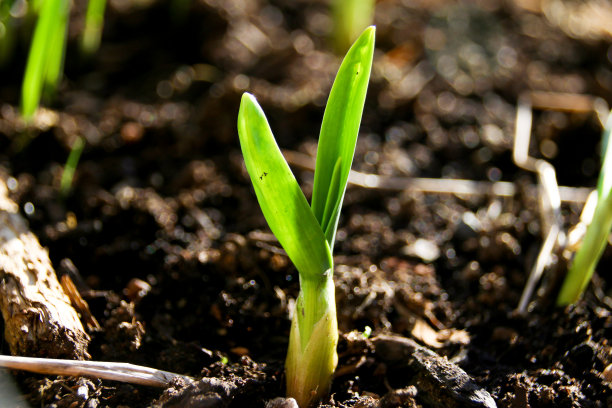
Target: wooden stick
{"points": [[38, 317]]}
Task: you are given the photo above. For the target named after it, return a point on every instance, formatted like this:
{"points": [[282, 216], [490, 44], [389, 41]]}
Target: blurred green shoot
{"points": [[71, 165], [92, 30], [7, 32], [179, 10], [46, 57], [350, 18], [307, 232], [596, 236]]}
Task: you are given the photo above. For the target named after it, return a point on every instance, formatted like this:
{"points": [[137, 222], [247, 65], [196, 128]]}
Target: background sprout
{"points": [[596, 236], [71, 165], [7, 33], [46, 57], [92, 31], [307, 233], [350, 17], [47, 51]]}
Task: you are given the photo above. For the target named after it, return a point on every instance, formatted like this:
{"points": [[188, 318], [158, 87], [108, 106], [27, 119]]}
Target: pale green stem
{"points": [[312, 359]]}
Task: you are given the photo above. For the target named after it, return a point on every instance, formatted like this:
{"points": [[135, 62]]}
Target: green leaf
{"points": [[281, 200], [339, 132], [332, 208]]}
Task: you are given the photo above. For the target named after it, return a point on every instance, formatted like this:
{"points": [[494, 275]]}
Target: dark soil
{"points": [[161, 196]]}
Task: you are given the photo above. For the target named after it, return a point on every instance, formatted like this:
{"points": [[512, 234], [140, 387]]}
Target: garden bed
{"points": [[174, 257]]}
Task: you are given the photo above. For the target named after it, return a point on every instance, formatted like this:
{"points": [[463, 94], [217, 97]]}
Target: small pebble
{"points": [[424, 249], [132, 132], [83, 392], [607, 373], [136, 289], [282, 403]]}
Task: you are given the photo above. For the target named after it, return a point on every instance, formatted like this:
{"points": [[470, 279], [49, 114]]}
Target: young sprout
{"points": [[71, 165], [307, 232], [46, 57], [350, 17], [596, 236], [8, 28], [92, 30]]}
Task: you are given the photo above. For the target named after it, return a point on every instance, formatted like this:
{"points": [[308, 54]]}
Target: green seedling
{"points": [[7, 33], [596, 236], [71, 165], [46, 57], [92, 30], [350, 17], [179, 10], [307, 232], [45, 63]]}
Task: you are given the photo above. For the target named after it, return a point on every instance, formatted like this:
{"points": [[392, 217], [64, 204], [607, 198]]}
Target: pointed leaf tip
{"points": [[339, 131], [248, 96]]}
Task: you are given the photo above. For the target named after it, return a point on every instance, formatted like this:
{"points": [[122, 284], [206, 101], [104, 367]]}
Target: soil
{"points": [[162, 235]]}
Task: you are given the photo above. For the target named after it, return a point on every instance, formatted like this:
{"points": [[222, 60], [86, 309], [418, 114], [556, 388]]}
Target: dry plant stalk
{"points": [[123, 372], [38, 317]]}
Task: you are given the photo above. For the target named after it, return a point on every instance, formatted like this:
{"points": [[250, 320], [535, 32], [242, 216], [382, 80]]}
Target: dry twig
{"points": [[123, 372]]}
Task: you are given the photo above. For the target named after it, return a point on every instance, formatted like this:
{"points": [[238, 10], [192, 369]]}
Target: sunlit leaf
{"points": [[339, 131], [281, 200]]}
